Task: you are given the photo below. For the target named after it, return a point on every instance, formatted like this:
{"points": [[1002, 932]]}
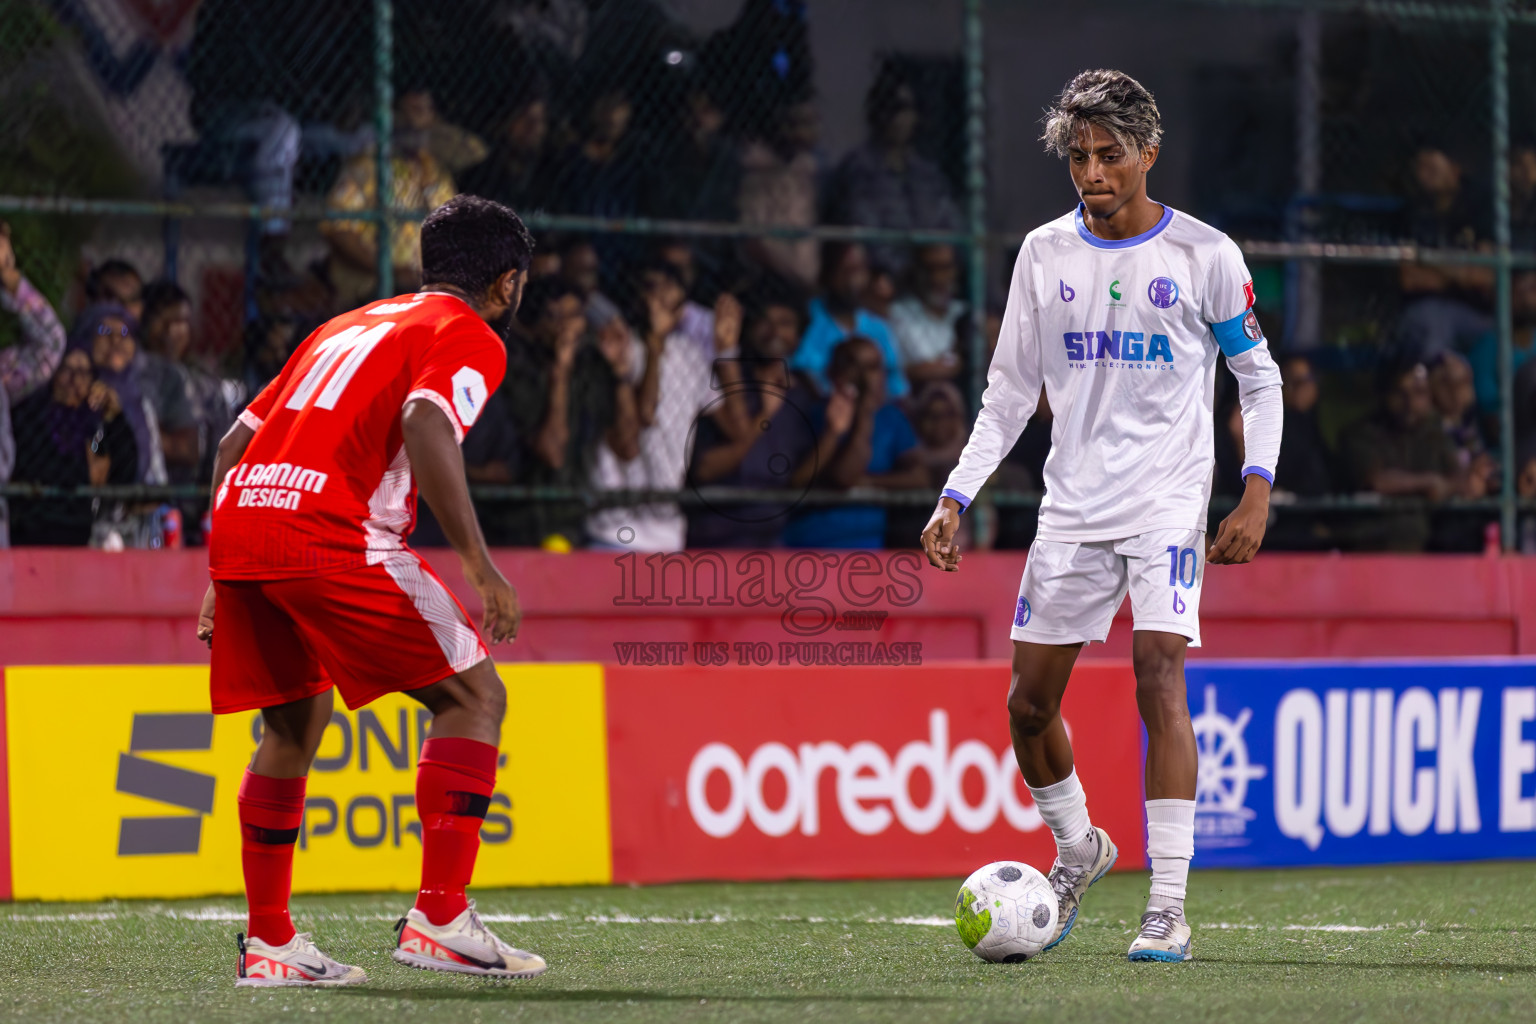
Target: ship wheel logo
{"points": [[1221, 787]]}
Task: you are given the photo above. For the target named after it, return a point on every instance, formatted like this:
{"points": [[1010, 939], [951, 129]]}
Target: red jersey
{"points": [[325, 485]]}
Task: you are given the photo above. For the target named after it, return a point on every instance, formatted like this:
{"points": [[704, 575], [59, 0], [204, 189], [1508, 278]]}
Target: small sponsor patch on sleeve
{"points": [[469, 394]]}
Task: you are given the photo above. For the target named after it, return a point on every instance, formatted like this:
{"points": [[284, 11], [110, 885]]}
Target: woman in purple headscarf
{"points": [[108, 334], [72, 432]]}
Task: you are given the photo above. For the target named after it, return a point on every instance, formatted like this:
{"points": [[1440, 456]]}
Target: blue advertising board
{"points": [[1364, 762]]}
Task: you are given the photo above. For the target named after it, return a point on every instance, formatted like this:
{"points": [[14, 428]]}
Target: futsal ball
{"points": [[1006, 912]]}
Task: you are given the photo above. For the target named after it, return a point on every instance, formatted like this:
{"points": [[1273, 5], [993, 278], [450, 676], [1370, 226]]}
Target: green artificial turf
{"points": [[1425, 943]]}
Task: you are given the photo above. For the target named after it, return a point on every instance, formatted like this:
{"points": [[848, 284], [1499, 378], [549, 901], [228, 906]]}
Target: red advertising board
{"points": [[848, 772]]}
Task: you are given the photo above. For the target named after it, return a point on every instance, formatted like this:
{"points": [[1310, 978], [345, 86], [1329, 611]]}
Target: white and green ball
{"points": [[1006, 912]]}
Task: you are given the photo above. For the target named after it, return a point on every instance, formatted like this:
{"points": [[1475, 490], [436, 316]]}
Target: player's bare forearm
{"points": [[1241, 533], [231, 448], [438, 466]]}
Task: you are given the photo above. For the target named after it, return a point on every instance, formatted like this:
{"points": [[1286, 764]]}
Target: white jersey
{"points": [[1124, 337]]}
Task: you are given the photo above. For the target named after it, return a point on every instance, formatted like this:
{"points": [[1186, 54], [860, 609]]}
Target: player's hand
{"points": [[503, 614], [1240, 534], [939, 536], [205, 619]]}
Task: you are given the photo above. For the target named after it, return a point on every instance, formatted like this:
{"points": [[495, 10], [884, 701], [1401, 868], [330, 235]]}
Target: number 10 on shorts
{"points": [[1183, 563]]}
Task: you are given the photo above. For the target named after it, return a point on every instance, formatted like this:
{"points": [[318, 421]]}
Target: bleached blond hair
{"points": [[1111, 100]]}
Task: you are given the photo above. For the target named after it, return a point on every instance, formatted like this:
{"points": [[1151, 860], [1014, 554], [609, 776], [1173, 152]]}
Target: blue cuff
{"points": [[1232, 336], [965, 502], [1259, 471]]}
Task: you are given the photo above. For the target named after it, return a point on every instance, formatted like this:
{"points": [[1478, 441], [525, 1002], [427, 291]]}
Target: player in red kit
{"points": [[315, 590]]}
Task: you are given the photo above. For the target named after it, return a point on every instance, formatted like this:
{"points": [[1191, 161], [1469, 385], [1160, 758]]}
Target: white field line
{"points": [[229, 914]]}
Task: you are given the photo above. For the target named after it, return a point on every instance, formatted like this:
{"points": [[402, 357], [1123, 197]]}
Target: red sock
{"points": [[271, 811], [454, 780]]}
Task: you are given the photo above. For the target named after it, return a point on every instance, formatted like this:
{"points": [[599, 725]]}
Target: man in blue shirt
{"points": [[837, 316], [863, 440]]}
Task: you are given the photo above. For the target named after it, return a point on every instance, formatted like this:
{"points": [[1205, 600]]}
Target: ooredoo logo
{"points": [[874, 788]]}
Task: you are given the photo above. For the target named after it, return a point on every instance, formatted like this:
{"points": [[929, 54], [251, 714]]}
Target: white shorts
{"points": [[1070, 592]]}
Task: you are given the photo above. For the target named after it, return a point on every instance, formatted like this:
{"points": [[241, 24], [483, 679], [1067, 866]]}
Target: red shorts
{"points": [[381, 629]]}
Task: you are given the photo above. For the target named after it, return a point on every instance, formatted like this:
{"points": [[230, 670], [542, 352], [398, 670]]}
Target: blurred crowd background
{"points": [[773, 238]]}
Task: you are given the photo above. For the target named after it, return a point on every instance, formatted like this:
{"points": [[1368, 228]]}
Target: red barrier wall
{"points": [[65, 606], [767, 773]]}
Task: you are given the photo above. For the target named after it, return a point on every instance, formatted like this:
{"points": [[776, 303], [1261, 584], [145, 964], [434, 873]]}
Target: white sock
{"points": [[1170, 845], [1064, 807]]}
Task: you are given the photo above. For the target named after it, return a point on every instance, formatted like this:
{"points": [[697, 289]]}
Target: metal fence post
{"points": [[384, 129], [976, 187], [1498, 39]]}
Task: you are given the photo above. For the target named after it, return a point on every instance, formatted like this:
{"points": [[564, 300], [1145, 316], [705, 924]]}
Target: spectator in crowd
{"points": [[275, 81], [672, 374], [1442, 304], [838, 315], [1522, 198], [1401, 451], [118, 281], [766, 455], [885, 183], [28, 365], [1450, 390], [420, 183], [517, 171], [1306, 464], [940, 421], [601, 175], [108, 334], [1485, 351], [766, 52], [455, 149], [781, 186], [164, 378], [863, 440], [939, 418], [269, 341], [168, 367], [70, 433], [924, 322], [581, 265], [546, 258], [880, 292], [562, 397], [699, 174]]}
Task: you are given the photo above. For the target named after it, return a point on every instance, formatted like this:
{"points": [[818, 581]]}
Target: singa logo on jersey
{"points": [[469, 394]]}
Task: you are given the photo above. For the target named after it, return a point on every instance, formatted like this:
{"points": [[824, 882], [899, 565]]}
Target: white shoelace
{"points": [[1159, 924]]}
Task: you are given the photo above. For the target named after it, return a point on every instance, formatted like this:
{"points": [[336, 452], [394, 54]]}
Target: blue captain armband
{"points": [[965, 502], [1239, 334]]}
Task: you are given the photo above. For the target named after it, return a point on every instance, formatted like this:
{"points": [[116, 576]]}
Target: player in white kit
{"points": [[1119, 310]]}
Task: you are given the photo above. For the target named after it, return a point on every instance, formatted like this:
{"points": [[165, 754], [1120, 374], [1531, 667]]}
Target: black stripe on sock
{"points": [[271, 836], [468, 805]]}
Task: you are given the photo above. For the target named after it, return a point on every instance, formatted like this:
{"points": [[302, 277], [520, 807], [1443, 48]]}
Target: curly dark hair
{"points": [[469, 242]]}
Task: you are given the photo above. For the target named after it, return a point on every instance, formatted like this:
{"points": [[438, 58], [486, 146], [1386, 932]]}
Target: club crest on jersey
{"points": [[1163, 292], [1067, 294]]}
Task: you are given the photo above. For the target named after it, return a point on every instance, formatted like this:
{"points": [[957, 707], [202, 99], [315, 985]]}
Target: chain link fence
{"points": [[190, 188]]}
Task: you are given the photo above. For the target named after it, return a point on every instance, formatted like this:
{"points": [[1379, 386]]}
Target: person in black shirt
{"points": [[562, 395]]}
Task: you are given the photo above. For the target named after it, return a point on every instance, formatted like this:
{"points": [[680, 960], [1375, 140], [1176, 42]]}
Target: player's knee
{"points": [[1159, 680], [1031, 715]]}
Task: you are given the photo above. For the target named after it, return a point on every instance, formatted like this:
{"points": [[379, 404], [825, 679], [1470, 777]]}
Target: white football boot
{"points": [[1071, 881], [462, 946], [296, 963], [1165, 935]]}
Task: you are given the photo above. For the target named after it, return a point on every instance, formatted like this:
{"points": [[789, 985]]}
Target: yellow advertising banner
{"points": [[123, 785]]}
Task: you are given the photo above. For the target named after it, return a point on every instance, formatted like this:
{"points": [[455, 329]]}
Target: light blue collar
{"points": [[1122, 243]]}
